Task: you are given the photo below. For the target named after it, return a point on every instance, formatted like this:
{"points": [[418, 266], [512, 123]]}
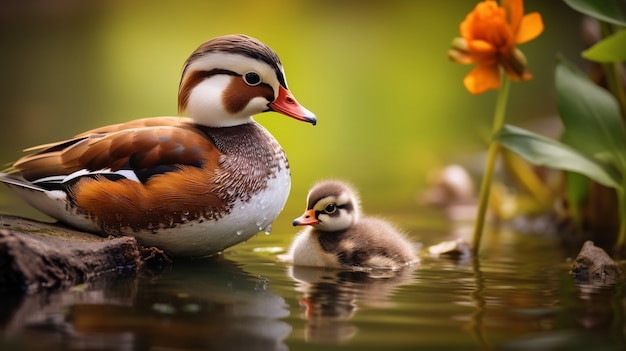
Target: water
{"points": [[518, 295]]}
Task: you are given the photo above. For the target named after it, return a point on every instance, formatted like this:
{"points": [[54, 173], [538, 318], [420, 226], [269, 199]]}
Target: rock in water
{"points": [[593, 264]]}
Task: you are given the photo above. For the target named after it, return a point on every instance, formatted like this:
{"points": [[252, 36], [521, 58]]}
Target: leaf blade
{"points": [[591, 116], [603, 10], [543, 151], [610, 49]]}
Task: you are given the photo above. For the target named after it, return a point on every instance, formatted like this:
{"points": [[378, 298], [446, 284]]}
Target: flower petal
{"points": [[473, 26], [514, 10], [482, 78], [530, 28], [487, 25], [481, 47], [482, 52]]}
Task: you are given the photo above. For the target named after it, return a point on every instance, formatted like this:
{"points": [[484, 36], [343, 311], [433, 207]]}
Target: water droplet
{"points": [[268, 229], [152, 228], [239, 232]]}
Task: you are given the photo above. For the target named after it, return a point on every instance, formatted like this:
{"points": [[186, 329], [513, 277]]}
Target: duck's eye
{"points": [[252, 78], [330, 208]]}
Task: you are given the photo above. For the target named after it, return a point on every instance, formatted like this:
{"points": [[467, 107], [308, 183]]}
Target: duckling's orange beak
{"points": [[286, 104], [307, 218]]}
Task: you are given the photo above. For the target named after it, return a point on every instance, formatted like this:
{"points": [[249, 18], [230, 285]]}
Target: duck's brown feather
{"points": [[162, 202], [137, 145]]}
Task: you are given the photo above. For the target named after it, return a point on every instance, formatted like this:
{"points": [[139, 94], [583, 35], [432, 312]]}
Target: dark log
{"points": [[36, 256]]}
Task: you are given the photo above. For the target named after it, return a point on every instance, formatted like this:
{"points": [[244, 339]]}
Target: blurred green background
{"points": [[390, 105]]}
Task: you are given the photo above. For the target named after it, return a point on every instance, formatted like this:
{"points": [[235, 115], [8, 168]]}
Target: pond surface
{"points": [[518, 295]]}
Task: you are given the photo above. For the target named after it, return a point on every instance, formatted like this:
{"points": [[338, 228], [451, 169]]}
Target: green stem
{"points": [[615, 87], [621, 239], [485, 188], [494, 147]]}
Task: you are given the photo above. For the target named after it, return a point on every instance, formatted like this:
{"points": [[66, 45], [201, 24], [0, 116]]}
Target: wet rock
{"points": [[458, 248], [593, 264], [36, 256]]}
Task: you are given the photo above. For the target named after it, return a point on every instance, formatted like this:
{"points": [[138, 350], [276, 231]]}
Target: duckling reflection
{"points": [[330, 298]]}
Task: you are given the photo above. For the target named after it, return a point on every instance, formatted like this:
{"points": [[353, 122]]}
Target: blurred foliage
{"points": [[374, 72], [594, 140]]}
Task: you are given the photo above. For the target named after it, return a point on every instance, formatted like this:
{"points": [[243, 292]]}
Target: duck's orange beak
{"points": [[286, 104], [307, 218]]}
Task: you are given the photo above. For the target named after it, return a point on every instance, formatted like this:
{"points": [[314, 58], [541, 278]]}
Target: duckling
{"points": [[338, 236]]}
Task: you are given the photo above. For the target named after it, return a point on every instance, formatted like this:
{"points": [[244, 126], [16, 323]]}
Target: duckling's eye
{"points": [[252, 78], [330, 208]]}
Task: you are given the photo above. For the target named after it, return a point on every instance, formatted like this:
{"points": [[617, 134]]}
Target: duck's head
{"points": [[230, 78], [331, 206]]}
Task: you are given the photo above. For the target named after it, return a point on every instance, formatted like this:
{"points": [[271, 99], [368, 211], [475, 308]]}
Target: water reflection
{"points": [[330, 298], [592, 318], [478, 297], [603, 306], [522, 299], [194, 305]]}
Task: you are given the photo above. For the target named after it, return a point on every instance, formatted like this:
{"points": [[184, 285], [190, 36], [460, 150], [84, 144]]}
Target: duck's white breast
{"points": [[205, 237]]}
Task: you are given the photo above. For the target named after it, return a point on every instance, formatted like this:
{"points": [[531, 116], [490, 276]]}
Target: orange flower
{"points": [[488, 37]]}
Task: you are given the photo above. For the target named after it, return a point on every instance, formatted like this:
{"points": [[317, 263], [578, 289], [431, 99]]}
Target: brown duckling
{"points": [[338, 236]]}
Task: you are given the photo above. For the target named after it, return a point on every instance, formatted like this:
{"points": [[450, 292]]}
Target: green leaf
{"points": [[542, 151], [591, 116], [611, 49], [604, 10]]}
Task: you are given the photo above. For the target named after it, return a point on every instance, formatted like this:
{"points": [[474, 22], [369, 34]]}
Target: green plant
{"points": [[594, 139]]}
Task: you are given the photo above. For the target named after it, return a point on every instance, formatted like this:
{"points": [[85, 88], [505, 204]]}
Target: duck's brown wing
{"points": [[139, 145], [137, 123]]}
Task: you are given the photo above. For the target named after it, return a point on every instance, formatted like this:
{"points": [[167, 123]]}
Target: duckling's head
{"points": [[331, 206]]}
